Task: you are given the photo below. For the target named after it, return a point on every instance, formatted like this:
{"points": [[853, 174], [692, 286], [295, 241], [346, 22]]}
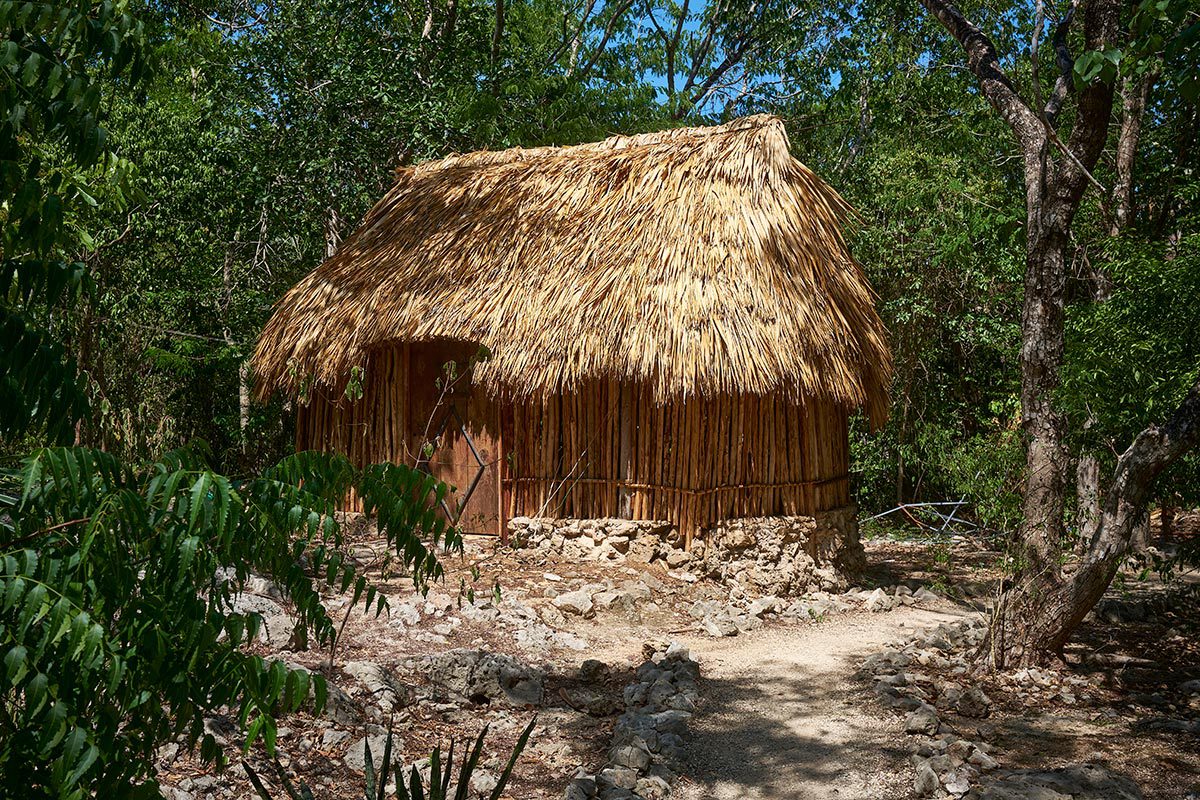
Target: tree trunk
{"points": [[1087, 500], [333, 231], [1042, 608], [1042, 605], [1134, 94], [1042, 342], [497, 38]]}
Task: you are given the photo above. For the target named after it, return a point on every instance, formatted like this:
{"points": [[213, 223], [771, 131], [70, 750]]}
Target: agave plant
{"points": [[375, 782]]}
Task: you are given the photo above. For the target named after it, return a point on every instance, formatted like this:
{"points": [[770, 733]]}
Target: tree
{"points": [[1047, 598], [118, 628]]}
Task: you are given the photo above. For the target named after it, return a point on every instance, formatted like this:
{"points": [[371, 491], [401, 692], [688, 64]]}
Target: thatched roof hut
{"points": [[691, 271]]}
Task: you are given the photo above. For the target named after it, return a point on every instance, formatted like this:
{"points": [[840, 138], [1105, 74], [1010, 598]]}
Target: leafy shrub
{"points": [[117, 623]]}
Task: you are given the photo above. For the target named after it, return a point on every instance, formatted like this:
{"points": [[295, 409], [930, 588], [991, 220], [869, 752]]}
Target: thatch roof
{"points": [[700, 260]]}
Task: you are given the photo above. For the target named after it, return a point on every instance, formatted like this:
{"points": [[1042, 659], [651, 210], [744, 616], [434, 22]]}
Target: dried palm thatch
{"points": [[700, 261]]}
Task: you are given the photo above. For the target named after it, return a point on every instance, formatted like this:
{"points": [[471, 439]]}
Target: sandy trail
{"points": [[782, 716]]}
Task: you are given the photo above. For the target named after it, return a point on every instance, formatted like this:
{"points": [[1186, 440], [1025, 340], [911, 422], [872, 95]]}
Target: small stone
{"points": [[763, 605], [923, 720], [593, 670], [404, 614], [617, 793], [745, 622], [577, 602], [580, 789], [483, 782], [719, 626], [877, 601], [618, 776], [923, 595], [926, 782], [982, 760], [974, 703], [550, 576], [677, 558], [356, 756], [652, 787], [670, 721], [957, 784], [605, 599], [379, 683], [631, 756], [678, 651]]}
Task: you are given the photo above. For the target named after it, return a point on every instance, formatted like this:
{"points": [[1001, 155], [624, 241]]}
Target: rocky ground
{"points": [[606, 655]]}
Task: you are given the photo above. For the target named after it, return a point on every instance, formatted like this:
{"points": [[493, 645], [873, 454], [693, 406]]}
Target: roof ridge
{"points": [[619, 141]]}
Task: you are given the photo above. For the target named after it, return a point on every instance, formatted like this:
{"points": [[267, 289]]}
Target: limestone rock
{"points": [[926, 782], [652, 787], [974, 703], [593, 670], [631, 756], [277, 624], [677, 558], [923, 720], [1082, 782], [356, 756], [380, 684], [481, 677], [719, 626], [620, 777], [577, 602], [763, 605], [580, 789]]}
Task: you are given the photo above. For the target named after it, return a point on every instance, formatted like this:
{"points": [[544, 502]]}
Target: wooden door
{"points": [[460, 425]]}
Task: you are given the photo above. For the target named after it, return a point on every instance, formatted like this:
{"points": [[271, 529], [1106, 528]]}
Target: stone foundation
{"points": [[779, 556]]}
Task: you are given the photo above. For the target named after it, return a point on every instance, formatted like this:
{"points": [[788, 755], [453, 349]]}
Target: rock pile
{"points": [[718, 618], [648, 743], [786, 556], [1082, 782], [946, 764], [782, 556], [950, 765]]}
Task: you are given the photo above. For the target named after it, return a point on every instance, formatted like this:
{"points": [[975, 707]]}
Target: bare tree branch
{"points": [[611, 26], [982, 60], [1066, 65]]}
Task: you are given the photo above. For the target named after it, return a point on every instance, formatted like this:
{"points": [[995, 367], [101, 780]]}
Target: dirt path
{"points": [[783, 718]]}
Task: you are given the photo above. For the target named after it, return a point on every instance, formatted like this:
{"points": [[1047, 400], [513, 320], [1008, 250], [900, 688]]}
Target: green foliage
{"points": [[940, 238], [1133, 357], [376, 782], [118, 627], [54, 60]]}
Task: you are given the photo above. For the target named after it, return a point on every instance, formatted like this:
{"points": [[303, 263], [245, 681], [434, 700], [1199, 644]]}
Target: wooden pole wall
{"points": [[610, 451]]}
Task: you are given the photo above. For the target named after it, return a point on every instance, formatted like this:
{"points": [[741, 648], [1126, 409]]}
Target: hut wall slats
{"points": [[611, 450]]}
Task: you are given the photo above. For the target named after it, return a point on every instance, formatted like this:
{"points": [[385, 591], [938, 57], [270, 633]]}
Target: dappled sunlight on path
{"points": [[784, 717]]}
